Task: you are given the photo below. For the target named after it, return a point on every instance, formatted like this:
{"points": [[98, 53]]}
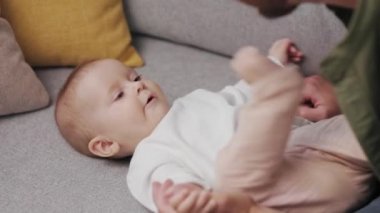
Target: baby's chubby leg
{"points": [[276, 87], [255, 152], [251, 65]]}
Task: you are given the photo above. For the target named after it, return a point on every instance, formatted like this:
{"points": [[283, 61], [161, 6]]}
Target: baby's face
{"points": [[120, 104]]}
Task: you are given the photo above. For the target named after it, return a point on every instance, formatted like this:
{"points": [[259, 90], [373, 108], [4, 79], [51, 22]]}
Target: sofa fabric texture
{"points": [[223, 26], [20, 89], [61, 33]]}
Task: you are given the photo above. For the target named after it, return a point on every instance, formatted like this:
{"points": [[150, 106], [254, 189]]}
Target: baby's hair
{"points": [[70, 122]]}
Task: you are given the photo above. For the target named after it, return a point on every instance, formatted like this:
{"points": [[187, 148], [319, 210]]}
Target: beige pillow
{"points": [[20, 89]]}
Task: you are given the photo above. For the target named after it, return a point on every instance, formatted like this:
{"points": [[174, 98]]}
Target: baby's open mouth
{"points": [[149, 99]]}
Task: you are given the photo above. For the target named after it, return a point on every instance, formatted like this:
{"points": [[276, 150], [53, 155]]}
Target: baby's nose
{"points": [[138, 86]]}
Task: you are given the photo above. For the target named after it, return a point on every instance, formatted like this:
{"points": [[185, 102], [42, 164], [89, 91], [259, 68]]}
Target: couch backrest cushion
{"points": [[223, 26]]}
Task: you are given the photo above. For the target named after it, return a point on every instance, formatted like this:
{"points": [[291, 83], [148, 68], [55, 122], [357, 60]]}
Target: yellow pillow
{"points": [[68, 32]]}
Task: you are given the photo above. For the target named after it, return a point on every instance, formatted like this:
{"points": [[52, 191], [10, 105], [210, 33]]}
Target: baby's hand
{"points": [[286, 52], [318, 99], [171, 198]]}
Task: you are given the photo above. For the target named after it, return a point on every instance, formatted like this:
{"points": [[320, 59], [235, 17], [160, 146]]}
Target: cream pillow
{"points": [[20, 89]]}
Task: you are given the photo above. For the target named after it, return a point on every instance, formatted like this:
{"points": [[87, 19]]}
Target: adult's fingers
{"points": [[188, 204], [203, 198], [168, 188], [160, 199], [210, 207], [177, 198]]}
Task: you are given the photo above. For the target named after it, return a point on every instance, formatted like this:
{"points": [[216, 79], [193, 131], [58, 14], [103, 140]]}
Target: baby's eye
{"points": [[119, 95], [138, 78]]}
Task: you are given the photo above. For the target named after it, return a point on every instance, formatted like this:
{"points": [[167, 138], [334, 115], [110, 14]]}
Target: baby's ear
{"points": [[103, 147]]}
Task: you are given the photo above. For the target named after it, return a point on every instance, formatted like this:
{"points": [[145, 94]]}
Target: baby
{"points": [[233, 141]]}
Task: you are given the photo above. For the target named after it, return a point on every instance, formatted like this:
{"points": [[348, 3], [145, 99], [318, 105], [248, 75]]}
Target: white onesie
{"points": [[184, 145]]}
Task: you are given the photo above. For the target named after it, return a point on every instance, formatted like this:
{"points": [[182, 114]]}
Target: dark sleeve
{"points": [[354, 69]]}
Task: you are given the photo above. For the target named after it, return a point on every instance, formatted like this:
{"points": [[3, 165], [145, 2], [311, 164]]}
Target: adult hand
{"points": [[276, 8], [318, 99], [272, 8], [182, 198], [176, 198]]}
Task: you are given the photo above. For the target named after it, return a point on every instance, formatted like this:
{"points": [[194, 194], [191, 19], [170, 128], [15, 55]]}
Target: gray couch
{"points": [[186, 45]]}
